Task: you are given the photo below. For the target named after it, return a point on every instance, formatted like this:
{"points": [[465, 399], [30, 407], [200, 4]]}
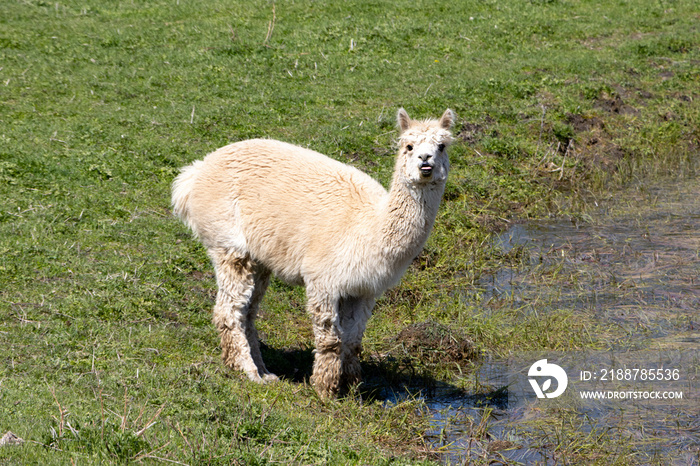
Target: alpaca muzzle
{"points": [[426, 170]]}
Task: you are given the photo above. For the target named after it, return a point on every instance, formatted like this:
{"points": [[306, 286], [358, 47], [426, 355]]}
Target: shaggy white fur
{"points": [[264, 206]]}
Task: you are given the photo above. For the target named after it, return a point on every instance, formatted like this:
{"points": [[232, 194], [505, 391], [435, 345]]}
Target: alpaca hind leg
{"points": [[235, 276], [262, 280], [327, 370]]}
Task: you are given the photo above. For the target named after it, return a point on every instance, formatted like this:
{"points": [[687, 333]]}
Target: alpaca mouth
{"points": [[426, 170]]}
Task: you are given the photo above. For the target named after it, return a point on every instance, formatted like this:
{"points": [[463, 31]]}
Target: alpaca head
{"points": [[422, 155]]}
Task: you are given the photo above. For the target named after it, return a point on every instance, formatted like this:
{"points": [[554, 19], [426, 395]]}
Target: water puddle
{"points": [[635, 262], [632, 263]]}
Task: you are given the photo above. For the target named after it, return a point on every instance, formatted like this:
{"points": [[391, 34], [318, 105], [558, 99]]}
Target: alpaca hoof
{"points": [[254, 377], [326, 394], [325, 390]]}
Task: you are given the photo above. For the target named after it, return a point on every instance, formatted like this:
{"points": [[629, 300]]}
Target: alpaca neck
{"points": [[408, 217]]}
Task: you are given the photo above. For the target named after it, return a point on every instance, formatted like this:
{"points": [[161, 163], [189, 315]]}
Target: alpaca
{"points": [[264, 206]]}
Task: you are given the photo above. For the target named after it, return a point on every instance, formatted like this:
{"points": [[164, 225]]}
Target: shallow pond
{"points": [[632, 262]]}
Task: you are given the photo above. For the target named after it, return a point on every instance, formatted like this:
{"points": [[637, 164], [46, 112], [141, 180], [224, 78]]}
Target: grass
{"points": [[108, 350]]}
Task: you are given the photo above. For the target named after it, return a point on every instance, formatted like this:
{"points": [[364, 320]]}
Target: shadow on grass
{"points": [[389, 379], [291, 364], [392, 380]]}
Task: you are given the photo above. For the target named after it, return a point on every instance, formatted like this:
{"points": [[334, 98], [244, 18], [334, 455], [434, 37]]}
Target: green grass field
{"points": [[107, 352]]}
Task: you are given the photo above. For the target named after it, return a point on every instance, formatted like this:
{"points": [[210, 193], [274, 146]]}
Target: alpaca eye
{"points": [[441, 147], [409, 147]]}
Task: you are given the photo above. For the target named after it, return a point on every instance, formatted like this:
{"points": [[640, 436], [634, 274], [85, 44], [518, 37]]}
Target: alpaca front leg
{"points": [[327, 371], [234, 313], [354, 313]]}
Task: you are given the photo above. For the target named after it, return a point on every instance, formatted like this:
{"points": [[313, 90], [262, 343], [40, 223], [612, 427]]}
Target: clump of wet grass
{"points": [[431, 342], [420, 356]]}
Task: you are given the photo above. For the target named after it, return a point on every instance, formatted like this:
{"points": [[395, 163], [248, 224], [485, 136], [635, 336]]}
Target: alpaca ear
{"points": [[403, 120], [447, 120]]}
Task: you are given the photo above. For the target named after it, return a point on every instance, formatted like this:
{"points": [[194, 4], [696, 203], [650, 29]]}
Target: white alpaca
{"points": [[264, 206]]}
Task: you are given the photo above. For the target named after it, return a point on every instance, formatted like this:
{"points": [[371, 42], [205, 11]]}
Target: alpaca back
{"points": [[294, 210]]}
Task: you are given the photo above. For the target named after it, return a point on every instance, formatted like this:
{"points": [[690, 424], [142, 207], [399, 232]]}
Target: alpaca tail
{"points": [[182, 191]]}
